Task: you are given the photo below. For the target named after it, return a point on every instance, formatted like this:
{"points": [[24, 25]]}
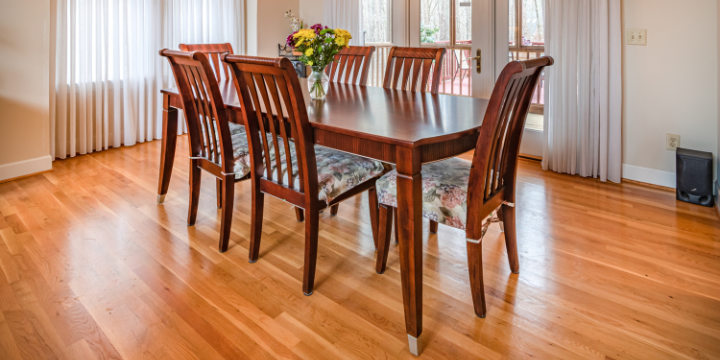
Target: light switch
{"points": [[637, 37]]}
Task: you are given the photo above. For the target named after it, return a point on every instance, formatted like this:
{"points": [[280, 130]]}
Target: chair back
{"points": [[204, 110], [418, 62], [494, 165], [351, 64], [273, 108], [213, 52]]}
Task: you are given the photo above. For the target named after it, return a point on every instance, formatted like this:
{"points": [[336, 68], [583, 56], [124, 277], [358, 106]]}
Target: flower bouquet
{"points": [[318, 45]]}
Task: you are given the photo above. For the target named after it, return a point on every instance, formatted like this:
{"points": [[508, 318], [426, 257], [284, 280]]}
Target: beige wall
{"points": [[671, 85], [24, 87], [311, 11], [267, 25]]}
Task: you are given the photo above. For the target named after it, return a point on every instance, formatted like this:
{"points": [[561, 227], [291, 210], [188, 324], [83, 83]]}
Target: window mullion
{"points": [[453, 27]]}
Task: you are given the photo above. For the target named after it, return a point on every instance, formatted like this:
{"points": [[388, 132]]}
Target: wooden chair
{"points": [[213, 52], [212, 147], [417, 62], [352, 66], [465, 194], [302, 174]]}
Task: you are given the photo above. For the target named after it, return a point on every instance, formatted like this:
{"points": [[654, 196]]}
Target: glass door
{"points": [[448, 24]]}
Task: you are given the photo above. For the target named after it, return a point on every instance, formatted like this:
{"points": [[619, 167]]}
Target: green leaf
{"points": [[446, 212], [430, 196]]}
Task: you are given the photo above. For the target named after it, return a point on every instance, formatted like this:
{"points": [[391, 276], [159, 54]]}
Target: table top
{"points": [[391, 116]]}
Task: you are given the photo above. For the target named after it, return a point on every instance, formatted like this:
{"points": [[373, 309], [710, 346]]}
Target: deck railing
{"points": [[538, 100]]}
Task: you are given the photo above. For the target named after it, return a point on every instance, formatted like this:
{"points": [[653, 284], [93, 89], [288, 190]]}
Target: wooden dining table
{"points": [[404, 128]]}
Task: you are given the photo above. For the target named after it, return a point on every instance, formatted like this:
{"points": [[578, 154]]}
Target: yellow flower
{"points": [[309, 51], [343, 33], [342, 37], [310, 63], [304, 35], [341, 41]]}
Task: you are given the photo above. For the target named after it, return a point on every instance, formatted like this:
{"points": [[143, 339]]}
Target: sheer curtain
{"points": [[345, 14], [583, 110], [108, 73]]}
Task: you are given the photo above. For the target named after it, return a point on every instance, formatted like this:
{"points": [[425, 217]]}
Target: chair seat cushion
{"points": [[236, 128], [445, 189], [338, 171]]}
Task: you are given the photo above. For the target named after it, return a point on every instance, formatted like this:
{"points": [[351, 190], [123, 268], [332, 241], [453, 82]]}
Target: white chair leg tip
{"points": [[414, 345]]}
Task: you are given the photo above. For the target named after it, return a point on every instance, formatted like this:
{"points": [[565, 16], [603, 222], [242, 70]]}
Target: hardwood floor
{"points": [[92, 267]]}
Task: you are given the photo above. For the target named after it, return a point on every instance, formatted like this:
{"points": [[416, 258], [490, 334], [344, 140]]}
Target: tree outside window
{"points": [[377, 21]]}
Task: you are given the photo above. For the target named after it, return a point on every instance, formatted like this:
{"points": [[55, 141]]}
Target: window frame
{"points": [[518, 47], [452, 44]]}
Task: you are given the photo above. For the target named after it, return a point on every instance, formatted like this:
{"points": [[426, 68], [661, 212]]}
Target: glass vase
{"points": [[318, 83]]}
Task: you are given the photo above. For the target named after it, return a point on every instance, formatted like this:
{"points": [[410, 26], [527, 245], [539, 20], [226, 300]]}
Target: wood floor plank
{"points": [[92, 267]]}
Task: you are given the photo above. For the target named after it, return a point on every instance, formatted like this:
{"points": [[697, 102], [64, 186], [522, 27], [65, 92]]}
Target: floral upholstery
{"points": [[338, 171], [444, 186], [236, 128]]}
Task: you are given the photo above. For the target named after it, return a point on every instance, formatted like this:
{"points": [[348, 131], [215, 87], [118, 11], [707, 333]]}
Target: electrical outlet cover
{"points": [[637, 37], [672, 141]]}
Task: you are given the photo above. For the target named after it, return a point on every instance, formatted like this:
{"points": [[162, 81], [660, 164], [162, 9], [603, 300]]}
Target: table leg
{"points": [[409, 195], [169, 144]]}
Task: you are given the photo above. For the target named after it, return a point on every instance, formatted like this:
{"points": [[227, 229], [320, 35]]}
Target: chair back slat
{"points": [[205, 114], [213, 52], [415, 66], [276, 118], [494, 167], [351, 65]]}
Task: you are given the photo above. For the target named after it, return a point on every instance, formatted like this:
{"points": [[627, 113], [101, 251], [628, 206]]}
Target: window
{"points": [[527, 41], [446, 22], [377, 21], [527, 24]]}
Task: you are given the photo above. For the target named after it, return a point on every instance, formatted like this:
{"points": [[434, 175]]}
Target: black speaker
{"points": [[694, 176]]}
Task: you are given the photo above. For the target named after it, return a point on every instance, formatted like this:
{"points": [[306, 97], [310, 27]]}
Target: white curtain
{"points": [[583, 110], [108, 73], [345, 14]]}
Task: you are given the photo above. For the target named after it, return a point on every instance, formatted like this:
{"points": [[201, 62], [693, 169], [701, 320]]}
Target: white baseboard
{"points": [[650, 176], [25, 167]]}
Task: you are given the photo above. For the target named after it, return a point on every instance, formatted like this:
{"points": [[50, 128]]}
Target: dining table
{"points": [[399, 127]]}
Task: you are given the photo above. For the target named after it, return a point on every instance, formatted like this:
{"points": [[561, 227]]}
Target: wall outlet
{"points": [[672, 141], [637, 37]]}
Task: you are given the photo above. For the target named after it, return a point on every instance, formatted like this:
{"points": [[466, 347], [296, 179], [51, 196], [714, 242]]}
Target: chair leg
{"points": [[385, 220], [373, 206], [312, 223], [299, 214], [228, 197], [395, 223], [256, 218], [477, 287], [433, 226], [334, 209], [501, 223], [508, 218], [195, 178], [218, 191]]}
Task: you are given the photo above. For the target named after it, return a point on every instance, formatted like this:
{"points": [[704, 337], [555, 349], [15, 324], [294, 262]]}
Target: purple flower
{"points": [[317, 27], [290, 40]]}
